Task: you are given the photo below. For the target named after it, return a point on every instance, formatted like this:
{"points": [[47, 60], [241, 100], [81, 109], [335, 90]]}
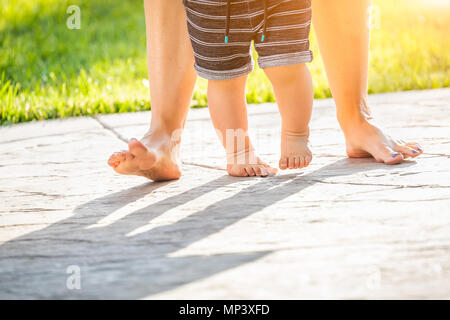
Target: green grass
{"points": [[48, 71]]}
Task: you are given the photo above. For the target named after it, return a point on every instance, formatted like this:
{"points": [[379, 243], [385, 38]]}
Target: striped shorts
{"points": [[221, 33]]}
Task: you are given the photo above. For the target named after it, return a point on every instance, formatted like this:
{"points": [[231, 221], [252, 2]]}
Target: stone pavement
{"points": [[342, 228]]}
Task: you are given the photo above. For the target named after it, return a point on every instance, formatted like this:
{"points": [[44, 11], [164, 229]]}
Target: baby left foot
{"points": [[247, 164], [295, 151]]}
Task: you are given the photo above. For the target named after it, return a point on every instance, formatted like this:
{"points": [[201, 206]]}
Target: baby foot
{"points": [[295, 151], [246, 164]]}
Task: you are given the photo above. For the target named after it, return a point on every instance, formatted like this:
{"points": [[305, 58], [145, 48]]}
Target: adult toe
{"points": [[264, 171], [389, 156], [407, 151], [250, 171], [416, 146], [137, 148]]}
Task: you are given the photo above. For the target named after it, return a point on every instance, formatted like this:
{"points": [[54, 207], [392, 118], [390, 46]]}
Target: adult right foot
{"points": [[155, 156], [365, 139]]}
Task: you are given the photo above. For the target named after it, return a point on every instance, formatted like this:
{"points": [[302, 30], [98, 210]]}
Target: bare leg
{"points": [[172, 79], [343, 36], [226, 101], [294, 94]]}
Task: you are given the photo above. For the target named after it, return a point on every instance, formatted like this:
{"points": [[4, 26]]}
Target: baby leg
{"points": [[227, 106], [294, 94]]}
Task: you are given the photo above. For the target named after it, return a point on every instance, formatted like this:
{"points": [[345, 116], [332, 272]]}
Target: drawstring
{"points": [[227, 25], [265, 21]]}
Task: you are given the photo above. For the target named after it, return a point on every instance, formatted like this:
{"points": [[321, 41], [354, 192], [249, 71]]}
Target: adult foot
{"points": [[295, 151], [247, 164], [365, 139], [155, 156]]}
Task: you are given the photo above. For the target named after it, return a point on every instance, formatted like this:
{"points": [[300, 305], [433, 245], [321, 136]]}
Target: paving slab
{"points": [[341, 228]]}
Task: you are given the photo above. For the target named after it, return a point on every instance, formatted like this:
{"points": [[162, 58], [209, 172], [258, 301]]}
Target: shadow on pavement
{"points": [[115, 264]]}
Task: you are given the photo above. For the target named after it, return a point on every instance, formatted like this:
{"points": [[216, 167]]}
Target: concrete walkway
{"points": [[342, 228]]}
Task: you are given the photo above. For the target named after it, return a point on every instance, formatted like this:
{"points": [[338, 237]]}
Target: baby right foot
{"points": [[247, 164], [295, 151]]}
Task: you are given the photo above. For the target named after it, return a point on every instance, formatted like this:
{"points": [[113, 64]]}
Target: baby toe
{"points": [[291, 163], [283, 163], [302, 162], [307, 160], [296, 162]]}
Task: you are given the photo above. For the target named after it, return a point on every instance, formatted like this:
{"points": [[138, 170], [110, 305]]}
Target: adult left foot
{"points": [[365, 139]]}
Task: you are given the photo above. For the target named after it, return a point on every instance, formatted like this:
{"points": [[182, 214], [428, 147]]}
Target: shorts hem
{"points": [[224, 75], [285, 59]]}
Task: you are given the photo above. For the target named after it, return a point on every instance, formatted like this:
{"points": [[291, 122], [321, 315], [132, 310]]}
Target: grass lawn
{"points": [[48, 71]]}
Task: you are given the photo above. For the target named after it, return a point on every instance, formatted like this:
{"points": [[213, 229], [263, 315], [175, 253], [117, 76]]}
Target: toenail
{"points": [[414, 151], [420, 149], [395, 154]]}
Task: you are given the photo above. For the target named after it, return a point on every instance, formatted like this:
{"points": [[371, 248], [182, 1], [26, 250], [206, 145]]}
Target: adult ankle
{"points": [[164, 126], [350, 119], [161, 133]]}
